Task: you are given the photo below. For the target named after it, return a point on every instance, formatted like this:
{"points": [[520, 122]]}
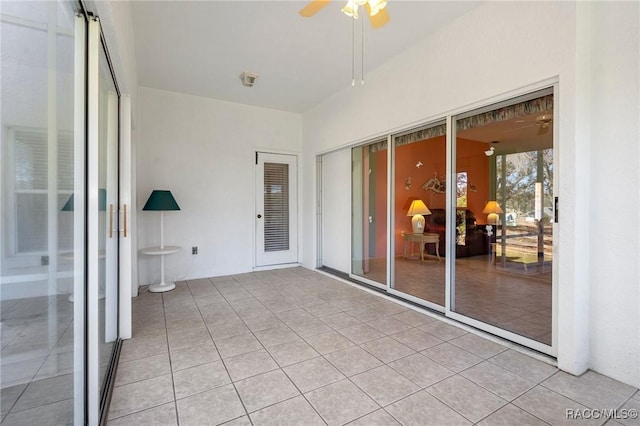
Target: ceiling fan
{"points": [[543, 122], [376, 11]]}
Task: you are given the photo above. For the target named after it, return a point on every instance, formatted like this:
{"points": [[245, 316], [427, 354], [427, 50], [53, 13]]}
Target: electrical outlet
{"points": [[194, 250]]}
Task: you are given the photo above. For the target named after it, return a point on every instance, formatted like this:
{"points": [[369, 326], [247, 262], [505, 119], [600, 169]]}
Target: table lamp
{"points": [[161, 200], [416, 210], [493, 209]]}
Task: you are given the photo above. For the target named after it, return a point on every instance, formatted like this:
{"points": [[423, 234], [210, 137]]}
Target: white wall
{"points": [[336, 210], [614, 305], [499, 48], [203, 150]]}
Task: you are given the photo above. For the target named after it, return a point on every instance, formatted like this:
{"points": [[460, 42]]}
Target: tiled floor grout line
{"points": [[173, 383]]}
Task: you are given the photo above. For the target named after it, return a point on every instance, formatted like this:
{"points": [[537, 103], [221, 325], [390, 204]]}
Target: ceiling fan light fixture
{"points": [[351, 9], [376, 6]]}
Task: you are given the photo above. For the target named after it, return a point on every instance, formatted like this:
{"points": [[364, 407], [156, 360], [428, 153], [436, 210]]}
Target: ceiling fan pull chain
{"points": [[353, 52], [362, 59]]}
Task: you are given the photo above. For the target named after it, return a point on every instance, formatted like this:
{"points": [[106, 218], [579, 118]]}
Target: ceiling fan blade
{"points": [[313, 7], [515, 129], [379, 19]]}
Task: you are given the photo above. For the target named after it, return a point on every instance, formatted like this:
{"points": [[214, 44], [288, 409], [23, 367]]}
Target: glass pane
{"points": [[504, 253], [276, 207], [37, 255], [107, 216], [420, 213], [369, 207]]}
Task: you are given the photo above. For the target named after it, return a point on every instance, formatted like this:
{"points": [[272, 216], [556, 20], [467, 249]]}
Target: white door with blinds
{"points": [[276, 209]]}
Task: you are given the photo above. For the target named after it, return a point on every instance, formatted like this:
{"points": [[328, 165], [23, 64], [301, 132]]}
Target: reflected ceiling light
{"points": [[351, 9], [376, 6]]}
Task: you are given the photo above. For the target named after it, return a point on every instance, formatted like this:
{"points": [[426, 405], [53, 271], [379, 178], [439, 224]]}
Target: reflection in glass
{"points": [[503, 265], [369, 207], [37, 250], [420, 167]]}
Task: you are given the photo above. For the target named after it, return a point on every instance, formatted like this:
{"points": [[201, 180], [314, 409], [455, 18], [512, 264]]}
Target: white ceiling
{"points": [[201, 47]]}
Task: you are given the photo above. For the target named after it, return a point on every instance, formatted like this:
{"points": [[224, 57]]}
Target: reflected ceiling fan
{"points": [[378, 15], [543, 122]]}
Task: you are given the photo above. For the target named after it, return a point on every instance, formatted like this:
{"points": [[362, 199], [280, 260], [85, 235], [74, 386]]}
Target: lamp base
{"points": [[162, 287], [417, 224]]}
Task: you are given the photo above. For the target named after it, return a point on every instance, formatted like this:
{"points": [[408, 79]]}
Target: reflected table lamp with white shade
{"points": [[416, 211], [161, 200]]}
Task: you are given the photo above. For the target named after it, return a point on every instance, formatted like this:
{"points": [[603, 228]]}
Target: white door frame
{"points": [[291, 256]]}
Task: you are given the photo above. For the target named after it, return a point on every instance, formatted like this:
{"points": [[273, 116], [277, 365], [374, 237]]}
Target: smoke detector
{"points": [[248, 79]]}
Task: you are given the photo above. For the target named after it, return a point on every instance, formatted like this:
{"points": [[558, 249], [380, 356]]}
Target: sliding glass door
{"points": [[458, 216], [43, 216], [504, 258], [369, 213], [419, 210]]}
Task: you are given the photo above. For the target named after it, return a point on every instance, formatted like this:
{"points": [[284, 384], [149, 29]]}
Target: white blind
{"points": [[276, 207], [31, 163]]}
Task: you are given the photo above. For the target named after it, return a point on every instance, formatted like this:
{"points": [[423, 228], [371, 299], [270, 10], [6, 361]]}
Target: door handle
{"points": [[259, 216], [124, 219], [110, 220]]}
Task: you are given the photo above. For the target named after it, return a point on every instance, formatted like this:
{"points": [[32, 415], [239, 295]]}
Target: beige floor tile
{"points": [[503, 383], [341, 402], [416, 339], [377, 418], [389, 325], [470, 400], [361, 333], [421, 370], [312, 374], [477, 345], [413, 318], [384, 385], [210, 408], [237, 345], [524, 365], [193, 356], [292, 353], [138, 396], [452, 357], [353, 361], [249, 364], [265, 389], [442, 330], [551, 407], [141, 369], [590, 389], [422, 408], [292, 412], [163, 415], [200, 378], [329, 342], [340, 321], [276, 336], [510, 415], [386, 349]]}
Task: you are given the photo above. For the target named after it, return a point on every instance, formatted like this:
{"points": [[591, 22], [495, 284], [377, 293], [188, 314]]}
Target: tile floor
{"points": [[295, 347]]}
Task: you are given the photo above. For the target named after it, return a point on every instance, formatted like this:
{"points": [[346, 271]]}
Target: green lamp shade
{"points": [[161, 200], [68, 206]]}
